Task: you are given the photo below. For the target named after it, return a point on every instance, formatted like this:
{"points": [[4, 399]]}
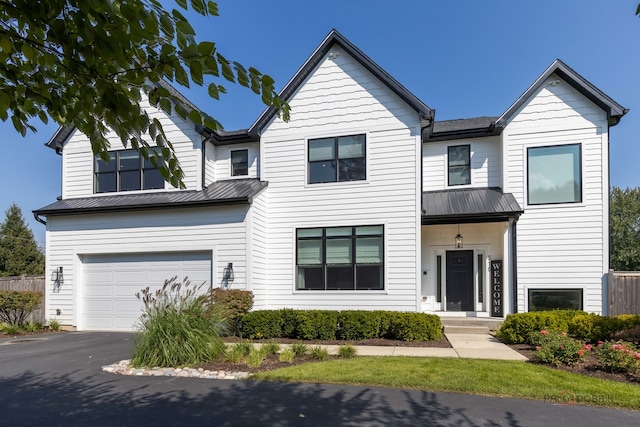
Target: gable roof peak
{"points": [[336, 38], [613, 110]]}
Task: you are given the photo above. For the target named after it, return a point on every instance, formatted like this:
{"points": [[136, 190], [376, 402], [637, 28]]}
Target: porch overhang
{"points": [[469, 205]]}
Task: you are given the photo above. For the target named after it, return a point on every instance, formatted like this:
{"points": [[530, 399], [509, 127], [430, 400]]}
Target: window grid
{"points": [[327, 272], [126, 170], [459, 165], [336, 159], [240, 162]]}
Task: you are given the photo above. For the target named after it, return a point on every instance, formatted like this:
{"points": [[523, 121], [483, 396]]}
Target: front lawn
{"points": [[471, 376]]}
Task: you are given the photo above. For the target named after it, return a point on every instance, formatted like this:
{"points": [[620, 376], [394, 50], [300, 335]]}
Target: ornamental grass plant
{"points": [[177, 327]]}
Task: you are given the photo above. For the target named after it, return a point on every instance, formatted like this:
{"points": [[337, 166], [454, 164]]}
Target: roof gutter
{"points": [[37, 217]]}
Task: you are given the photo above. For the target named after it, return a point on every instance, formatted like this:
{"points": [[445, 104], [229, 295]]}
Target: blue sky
{"points": [[463, 58]]}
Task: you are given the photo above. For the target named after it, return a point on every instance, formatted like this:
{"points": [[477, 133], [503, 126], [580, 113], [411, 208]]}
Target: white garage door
{"points": [[111, 282]]}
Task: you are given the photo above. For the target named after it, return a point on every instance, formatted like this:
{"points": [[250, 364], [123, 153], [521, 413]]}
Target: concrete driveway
{"points": [[56, 380]]}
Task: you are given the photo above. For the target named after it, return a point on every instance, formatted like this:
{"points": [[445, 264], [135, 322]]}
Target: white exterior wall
{"points": [[219, 230], [78, 159], [562, 245], [209, 164], [257, 248], [223, 160], [342, 98], [486, 165]]}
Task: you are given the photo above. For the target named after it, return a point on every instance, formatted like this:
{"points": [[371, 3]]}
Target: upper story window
{"points": [[339, 258], [459, 167], [239, 162], [337, 159], [554, 174], [127, 170]]}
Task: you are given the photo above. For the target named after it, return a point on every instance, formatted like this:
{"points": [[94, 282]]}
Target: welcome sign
{"points": [[497, 291]]}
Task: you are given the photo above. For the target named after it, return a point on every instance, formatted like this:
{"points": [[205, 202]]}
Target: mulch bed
{"points": [[591, 367], [441, 343]]}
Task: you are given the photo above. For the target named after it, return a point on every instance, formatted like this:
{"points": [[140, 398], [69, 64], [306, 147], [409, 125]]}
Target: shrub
{"points": [[54, 325], [319, 353], [358, 325], [631, 335], [557, 348], [415, 327], [289, 319], [271, 348], [619, 356], [347, 351], [16, 306], [235, 354], [255, 357], [517, 328], [287, 356], [11, 329], [235, 303], [262, 324], [177, 328], [594, 328], [33, 327], [300, 349], [317, 324]]}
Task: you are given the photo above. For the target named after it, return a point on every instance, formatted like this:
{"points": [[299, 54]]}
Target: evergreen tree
{"points": [[19, 252], [625, 229]]}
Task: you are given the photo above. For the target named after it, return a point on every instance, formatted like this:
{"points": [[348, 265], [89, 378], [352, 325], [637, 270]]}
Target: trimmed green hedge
{"points": [[517, 327], [343, 325]]}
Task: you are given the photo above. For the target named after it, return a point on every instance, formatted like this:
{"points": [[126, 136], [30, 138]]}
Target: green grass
{"points": [[470, 376]]}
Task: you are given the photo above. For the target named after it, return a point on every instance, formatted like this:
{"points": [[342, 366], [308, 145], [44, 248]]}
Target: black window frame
{"points": [[114, 168], [554, 294], [580, 177], [467, 164], [356, 268], [240, 171], [336, 162]]}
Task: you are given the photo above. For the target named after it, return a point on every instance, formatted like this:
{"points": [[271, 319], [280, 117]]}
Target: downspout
{"points": [[40, 220], [514, 264]]}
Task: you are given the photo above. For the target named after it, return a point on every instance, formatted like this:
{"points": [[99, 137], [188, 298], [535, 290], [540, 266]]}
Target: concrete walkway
{"points": [[468, 346]]}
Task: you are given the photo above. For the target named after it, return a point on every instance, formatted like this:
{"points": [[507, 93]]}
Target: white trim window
{"points": [[337, 159], [126, 170], [340, 258], [554, 174]]}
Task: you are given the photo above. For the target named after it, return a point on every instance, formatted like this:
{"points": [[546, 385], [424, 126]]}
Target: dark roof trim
{"points": [[62, 134], [221, 193], [468, 219], [226, 138], [335, 38], [477, 127], [614, 110]]}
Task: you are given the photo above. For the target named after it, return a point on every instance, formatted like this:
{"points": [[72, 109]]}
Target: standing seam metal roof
{"points": [[468, 205], [218, 193]]}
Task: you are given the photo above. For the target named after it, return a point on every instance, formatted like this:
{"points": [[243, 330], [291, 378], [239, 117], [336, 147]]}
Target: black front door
{"points": [[460, 281]]}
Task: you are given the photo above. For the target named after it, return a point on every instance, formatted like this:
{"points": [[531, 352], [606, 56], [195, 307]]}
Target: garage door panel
{"points": [[111, 282]]}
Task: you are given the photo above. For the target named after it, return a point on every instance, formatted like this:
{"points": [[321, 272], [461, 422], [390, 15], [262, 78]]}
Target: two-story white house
{"points": [[363, 200]]}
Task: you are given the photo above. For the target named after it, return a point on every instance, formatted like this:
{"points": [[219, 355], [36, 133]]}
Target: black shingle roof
{"points": [[218, 193], [468, 205]]}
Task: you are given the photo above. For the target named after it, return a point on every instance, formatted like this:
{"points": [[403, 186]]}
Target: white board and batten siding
{"points": [[485, 160], [562, 245], [78, 159], [340, 97], [218, 232]]}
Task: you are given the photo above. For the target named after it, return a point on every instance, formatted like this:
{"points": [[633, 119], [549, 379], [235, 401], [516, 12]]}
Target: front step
{"points": [[469, 325]]}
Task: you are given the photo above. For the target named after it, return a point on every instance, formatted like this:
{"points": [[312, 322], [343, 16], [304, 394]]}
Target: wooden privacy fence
{"points": [[624, 292], [27, 283]]}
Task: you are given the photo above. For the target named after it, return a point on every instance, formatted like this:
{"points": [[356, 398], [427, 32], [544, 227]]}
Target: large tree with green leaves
{"points": [[625, 229], [88, 63], [19, 252]]}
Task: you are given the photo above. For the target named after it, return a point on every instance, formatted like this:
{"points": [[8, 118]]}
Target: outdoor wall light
{"points": [[57, 275], [227, 275], [458, 239]]}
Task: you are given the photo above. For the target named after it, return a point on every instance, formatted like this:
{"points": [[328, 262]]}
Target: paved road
{"points": [[56, 380]]}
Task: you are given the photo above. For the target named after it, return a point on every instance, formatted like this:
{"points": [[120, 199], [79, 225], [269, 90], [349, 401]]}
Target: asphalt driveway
{"points": [[56, 379]]}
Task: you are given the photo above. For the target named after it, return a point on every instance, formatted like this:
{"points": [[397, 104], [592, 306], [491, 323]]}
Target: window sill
{"points": [[324, 185], [342, 292]]}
